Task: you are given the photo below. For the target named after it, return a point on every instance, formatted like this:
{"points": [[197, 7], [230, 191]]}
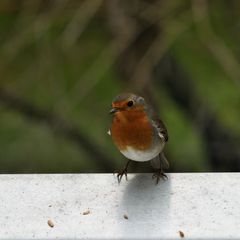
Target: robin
{"points": [[138, 133]]}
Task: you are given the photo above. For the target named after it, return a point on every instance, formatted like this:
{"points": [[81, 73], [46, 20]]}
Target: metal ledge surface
{"points": [[95, 206]]}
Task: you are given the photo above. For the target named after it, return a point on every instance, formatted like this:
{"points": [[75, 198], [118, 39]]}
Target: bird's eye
{"points": [[130, 103]]}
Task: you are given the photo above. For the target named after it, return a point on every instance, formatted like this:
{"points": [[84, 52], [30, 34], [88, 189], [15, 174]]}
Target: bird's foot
{"points": [[158, 175], [120, 174]]}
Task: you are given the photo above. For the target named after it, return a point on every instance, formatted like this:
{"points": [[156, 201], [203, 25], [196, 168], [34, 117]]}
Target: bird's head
{"points": [[127, 102]]}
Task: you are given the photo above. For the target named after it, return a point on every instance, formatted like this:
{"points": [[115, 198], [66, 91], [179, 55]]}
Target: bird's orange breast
{"points": [[132, 128]]}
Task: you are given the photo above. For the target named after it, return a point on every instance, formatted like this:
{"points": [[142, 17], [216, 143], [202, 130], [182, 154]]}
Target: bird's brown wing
{"points": [[161, 128], [160, 161]]}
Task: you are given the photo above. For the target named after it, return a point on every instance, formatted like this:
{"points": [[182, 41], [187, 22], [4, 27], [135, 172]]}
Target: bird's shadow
{"points": [[144, 201]]}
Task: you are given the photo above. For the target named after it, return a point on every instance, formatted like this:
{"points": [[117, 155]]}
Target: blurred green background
{"points": [[62, 62]]}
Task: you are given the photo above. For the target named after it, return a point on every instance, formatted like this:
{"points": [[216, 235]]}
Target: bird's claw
{"points": [[158, 175], [120, 174]]}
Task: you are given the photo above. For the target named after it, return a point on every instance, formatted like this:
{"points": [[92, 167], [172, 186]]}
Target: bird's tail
{"points": [[160, 162]]}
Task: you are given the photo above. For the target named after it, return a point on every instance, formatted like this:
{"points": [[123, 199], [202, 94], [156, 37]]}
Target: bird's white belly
{"points": [[140, 155]]}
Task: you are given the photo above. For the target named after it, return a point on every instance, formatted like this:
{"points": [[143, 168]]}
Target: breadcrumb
{"points": [[86, 212], [181, 234], [50, 223]]}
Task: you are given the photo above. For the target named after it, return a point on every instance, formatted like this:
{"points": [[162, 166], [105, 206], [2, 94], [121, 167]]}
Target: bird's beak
{"points": [[113, 110]]}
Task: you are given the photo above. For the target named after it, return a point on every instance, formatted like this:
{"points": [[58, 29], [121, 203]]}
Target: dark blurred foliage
{"points": [[62, 62]]}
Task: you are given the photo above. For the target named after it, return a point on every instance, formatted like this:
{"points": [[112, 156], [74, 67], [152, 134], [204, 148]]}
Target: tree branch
{"points": [[223, 147], [58, 125]]}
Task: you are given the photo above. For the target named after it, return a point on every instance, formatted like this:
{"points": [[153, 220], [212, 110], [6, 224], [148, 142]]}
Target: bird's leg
{"points": [[122, 172], [159, 173]]}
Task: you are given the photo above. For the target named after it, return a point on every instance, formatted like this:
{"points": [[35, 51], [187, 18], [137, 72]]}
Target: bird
{"points": [[138, 133]]}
